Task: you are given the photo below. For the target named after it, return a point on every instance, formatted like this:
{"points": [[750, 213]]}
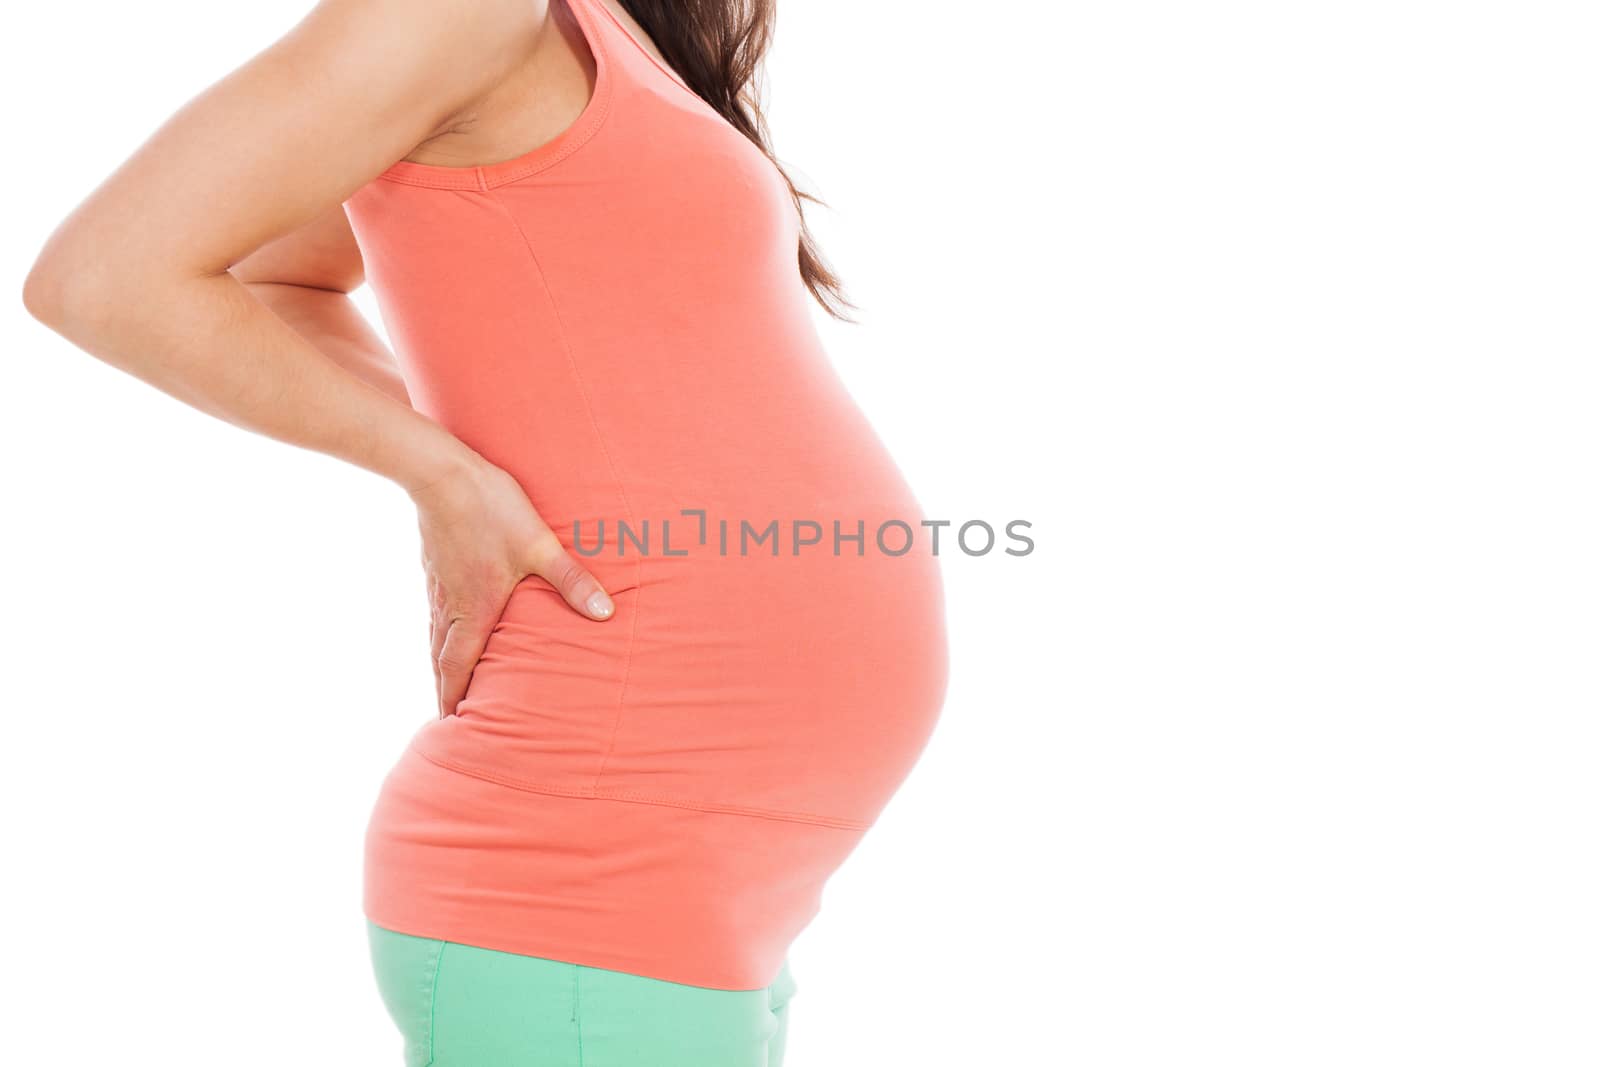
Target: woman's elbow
{"points": [[75, 292], [56, 290], [43, 293]]}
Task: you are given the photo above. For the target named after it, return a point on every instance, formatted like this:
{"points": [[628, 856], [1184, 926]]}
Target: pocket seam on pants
{"points": [[433, 999]]}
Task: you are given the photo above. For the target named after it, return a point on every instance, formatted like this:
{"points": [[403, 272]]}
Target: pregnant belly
{"points": [[800, 686]]}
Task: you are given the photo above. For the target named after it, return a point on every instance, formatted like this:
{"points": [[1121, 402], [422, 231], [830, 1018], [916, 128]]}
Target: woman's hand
{"points": [[480, 537]]}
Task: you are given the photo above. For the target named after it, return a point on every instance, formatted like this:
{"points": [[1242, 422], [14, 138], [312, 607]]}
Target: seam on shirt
{"points": [[629, 796], [622, 494]]}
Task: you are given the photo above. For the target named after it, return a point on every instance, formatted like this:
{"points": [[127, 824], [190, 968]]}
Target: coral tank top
{"points": [[617, 319]]}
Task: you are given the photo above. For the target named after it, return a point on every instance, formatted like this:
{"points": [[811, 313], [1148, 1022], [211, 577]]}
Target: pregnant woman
{"points": [[683, 652]]}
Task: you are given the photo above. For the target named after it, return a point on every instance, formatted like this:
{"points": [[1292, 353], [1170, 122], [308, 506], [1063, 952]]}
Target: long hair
{"points": [[717, 46]]}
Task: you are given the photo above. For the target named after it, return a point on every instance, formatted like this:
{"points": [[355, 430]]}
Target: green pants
{"points": [[463, 1006]]}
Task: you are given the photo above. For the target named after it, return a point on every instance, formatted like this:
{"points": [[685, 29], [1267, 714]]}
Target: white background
{"points": [[1278, 321]]}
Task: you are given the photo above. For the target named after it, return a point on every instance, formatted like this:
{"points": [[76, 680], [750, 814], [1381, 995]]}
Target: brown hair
{"points": [[717, 46]]}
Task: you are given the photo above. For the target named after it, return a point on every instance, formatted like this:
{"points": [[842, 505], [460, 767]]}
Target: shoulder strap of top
{"points": [[605, 21]]}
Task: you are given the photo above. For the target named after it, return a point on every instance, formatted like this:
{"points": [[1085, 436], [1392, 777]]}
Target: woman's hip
{"points": [[459, 1005]]}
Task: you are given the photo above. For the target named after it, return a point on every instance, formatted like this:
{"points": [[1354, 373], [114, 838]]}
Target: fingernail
{"points": [[599, 605]]}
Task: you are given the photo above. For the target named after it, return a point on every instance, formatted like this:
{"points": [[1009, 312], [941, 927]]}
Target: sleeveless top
{"points": [[617, 319]]}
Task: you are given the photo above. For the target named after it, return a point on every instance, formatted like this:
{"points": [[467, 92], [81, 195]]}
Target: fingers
{"points": [[437, 626], [461, 620], [459, 650], [436, 632], [576, 585], [434, 640], [457, 638]]}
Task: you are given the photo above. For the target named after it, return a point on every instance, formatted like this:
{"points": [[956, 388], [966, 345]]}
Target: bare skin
{"points": [[216, 264]]}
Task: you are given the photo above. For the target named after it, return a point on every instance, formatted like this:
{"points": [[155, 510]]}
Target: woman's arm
{"points": [[305, 278], [139, 276]]}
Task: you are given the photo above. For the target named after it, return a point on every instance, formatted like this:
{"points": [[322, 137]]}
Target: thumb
{"points": [[576, 585]]}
